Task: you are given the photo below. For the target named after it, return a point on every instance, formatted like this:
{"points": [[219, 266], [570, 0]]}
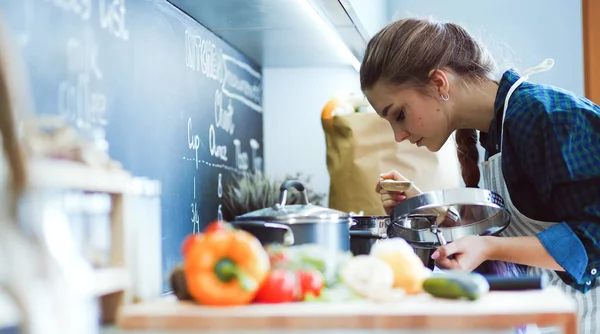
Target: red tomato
{"points": [[311, 282], [279, 287], [187, 243]]}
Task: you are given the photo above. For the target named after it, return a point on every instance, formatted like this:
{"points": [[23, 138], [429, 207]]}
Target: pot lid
{"points": [[295, 212]]}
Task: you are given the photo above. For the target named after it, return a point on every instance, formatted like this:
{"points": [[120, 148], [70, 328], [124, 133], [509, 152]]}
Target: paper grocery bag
{"points": [[360, 146]]}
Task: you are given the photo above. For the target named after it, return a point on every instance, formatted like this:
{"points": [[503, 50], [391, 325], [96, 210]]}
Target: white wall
{"points": [[373, 14], [293, 99], [518, 33]]}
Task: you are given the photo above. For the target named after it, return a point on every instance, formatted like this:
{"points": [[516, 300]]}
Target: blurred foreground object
{"points": [[79, 236], [49, 283], [50, 137]]}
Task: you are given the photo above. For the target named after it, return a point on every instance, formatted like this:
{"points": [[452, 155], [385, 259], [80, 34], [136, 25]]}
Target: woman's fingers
{"points": [[446, 256], [390, 199], [392, 195], [393, 175]]}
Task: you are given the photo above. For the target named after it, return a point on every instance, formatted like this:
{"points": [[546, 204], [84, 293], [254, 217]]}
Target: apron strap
{"points": [[541, 67]]}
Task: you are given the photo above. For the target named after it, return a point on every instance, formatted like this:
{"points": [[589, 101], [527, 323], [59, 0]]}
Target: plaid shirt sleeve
{"points": [[551, 158]]}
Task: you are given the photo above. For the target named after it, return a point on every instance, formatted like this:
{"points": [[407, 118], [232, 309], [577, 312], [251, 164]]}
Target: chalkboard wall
{"points": [[169, 99]]}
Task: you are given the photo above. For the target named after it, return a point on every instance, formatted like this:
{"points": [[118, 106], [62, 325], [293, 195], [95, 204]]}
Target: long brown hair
{"points": [[405, 52]]}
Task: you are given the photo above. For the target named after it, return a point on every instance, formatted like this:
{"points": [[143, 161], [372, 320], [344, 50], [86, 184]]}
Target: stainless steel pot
{"points": [[308, 223], [267, 233], [479, 212]]}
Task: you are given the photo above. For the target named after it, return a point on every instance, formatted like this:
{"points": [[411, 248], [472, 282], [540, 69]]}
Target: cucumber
{"points": [[456, 285]]}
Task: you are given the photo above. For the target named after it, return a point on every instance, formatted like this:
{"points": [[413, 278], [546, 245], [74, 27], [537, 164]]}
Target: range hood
{"points": [[284, 33]]}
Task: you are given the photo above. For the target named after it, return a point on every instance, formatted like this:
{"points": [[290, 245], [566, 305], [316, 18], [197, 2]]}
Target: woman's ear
{"points": [[440, 81]]}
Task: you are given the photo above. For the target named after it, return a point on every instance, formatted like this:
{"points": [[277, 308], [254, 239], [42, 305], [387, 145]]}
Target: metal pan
{"points": [[480, 211], [365, 231]]}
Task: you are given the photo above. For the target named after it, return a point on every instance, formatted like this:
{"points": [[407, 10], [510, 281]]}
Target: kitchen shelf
{"points": [[121, 282], [56, 173]]}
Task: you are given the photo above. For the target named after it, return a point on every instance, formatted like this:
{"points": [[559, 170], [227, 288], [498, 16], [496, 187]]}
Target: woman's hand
{"points": [[469, 252], [389, 199]]}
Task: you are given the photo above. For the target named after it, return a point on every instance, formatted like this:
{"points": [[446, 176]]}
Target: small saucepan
{"points": [[365, 231]]}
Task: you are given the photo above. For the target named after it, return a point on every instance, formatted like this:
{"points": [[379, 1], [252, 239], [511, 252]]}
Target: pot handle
{"points": [[438, 233], [366, 235], [288, 237], [440, 236], [295, 184]]}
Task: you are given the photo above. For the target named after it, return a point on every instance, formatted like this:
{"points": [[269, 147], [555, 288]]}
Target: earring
{"points": [[445, 97]]}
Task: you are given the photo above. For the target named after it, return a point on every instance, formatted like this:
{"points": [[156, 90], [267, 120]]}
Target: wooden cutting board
{"points": [[496, 310]]}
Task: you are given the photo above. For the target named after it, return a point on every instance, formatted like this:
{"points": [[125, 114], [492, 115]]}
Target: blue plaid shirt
{"points": [[551, 166]]}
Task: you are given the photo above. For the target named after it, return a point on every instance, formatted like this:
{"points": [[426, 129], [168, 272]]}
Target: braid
{"points": [[468, 156]]}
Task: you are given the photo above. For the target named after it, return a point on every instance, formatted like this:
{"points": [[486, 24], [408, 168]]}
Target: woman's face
{"points": [[414, 115]]}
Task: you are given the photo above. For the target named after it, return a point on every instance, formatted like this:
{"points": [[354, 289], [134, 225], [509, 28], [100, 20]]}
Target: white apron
{"points": [[589, 303]]}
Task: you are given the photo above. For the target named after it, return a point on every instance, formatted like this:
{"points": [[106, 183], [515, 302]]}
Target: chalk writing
{"points": [[82, 54], [218, 151], [214, 165], [239, 89], [241, 158], [220, 186], [195, 216], [112, 18], [194, 141], [223, 116], [202, 55], [78, 101], [256, 159]]}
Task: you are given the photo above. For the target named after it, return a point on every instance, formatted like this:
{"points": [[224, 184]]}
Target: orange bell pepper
{"points": [[225, 267], [214, 226]]}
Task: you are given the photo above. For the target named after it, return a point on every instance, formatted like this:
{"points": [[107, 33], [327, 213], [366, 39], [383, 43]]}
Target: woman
{"points": [[430, 79]]}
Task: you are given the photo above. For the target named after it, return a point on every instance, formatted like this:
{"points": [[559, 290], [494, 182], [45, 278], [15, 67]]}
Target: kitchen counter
{"points": [[496, 312], [112, 330]]}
